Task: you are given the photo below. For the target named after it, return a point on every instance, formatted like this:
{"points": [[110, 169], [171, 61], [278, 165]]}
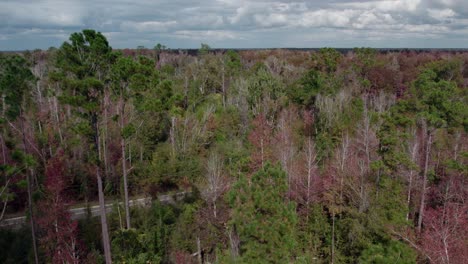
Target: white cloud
{"points": [[204, 35], [56, 13], [386, 5], [148, 26], [242, 22], [441, 14], [327, 18], [271, 20]]}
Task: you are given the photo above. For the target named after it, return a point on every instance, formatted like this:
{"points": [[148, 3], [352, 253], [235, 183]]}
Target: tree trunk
{"points": [[413, 152], [214, 209], [124, 166], [343, 159], [104, 136], [223, 85], [55, 111], [172, 136], [29, 178], [102, 205], [261, 147], [333, 239], [362, 172], [199, 256], [102, 208], [2, 143], [311, 157], [426, 165], [408, 196], [3, 105], [31, 216]]}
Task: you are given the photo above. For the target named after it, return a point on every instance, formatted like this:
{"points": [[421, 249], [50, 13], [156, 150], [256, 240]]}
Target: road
{"points": [[81, 212]]}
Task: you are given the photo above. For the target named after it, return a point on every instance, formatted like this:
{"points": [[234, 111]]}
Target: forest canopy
{"points": [[246, 156]]}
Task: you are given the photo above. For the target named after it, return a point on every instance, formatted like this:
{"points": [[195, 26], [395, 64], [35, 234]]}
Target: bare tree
{"points": [[363, 197], [367, 137], [215, 182], [311, 163], [285, 145], [413, 149], [341, 159], [367, 144], [428, 132], [332, 107]]}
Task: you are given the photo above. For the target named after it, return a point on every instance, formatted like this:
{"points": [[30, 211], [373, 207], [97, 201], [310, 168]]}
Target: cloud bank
{"points": [[238, 23]]}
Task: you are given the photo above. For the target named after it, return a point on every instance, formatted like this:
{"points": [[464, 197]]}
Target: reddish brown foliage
{"points": [[445, 233], [445, 223], [59, 232], [260, 137]]}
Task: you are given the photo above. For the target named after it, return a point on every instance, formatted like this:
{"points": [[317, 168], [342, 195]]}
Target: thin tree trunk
{"points": [[31, 216], [223, 86], [104, 140], [5, 203], [124, 166], [413, 152], [234, 244], [199, 256], [172, 136], [362, 173], [29, 177], [261, 147], [311, 157], [102, 205], [120, 217], [3, 105], [408, 198], [2, 142], [426, 165], [333, 239], [56, 116], [102, 208], [343, 158], [214, 209]]}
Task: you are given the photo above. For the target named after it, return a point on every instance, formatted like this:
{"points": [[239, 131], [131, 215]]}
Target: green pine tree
{"points": [[263, 219]]}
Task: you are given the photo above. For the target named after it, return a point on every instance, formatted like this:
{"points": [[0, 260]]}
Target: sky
{"points": [[31, 24]]}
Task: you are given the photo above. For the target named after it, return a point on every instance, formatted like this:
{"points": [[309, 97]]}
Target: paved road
{"points": [[80, 212]]}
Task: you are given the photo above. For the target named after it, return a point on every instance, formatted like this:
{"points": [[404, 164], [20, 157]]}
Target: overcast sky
{"points": [[238, 23]]}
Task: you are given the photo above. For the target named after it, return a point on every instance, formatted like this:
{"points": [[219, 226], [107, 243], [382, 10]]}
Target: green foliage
{"points": [[433, 99], [86, 55], [159, 47], [315, 235], [82, 64], [88, 228], [15, 81], [233, 61], [167, 171], [388, 253], [185, 230], [326, 60], [16, 246], [439, 101], [366, 57], [204, 49], [128, 131], [131, 247], [309, 86], [149, 240], [448, 70], [263, 89], [265, 222], [172, 113]]}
